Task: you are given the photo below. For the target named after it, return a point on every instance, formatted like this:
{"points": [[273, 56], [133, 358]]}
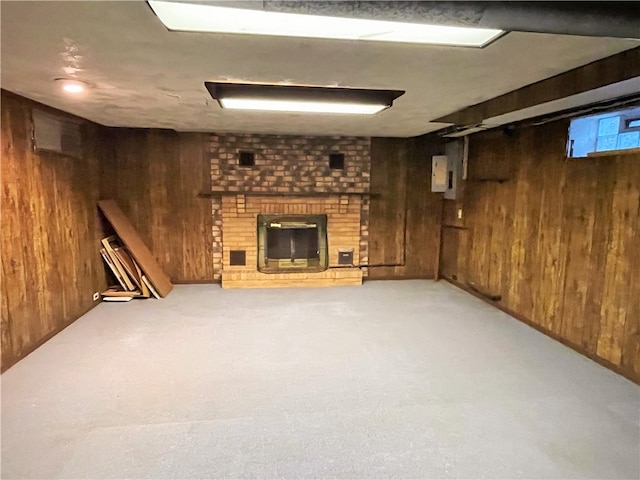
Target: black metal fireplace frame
{"points": [[318, 263]]}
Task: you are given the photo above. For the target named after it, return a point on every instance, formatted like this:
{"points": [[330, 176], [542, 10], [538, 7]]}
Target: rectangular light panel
{"points": [[189, 17], [301, 98], [292, 106]]}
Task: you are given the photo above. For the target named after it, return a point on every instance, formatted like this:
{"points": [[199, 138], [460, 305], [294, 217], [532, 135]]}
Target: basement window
{"points": [[608, 133]]}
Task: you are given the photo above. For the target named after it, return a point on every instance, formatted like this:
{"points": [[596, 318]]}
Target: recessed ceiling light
{"points": [[72, 86], [295, 98], [190, 17]]}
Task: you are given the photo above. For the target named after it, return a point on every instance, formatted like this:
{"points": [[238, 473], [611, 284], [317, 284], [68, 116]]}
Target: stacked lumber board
{"points": [[129, 260], [132, 282]]}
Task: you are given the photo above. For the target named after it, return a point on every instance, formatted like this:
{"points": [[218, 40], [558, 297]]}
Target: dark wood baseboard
{"points": [[12, 361], [629, 375]]}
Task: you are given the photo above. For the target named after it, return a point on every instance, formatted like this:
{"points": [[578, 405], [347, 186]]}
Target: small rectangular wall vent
{"points": [[246, 159], [237, 257], [345, 256], [56, 134], [336, 161]]}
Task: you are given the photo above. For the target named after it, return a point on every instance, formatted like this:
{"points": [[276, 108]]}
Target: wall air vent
{"points": [[56, 134], [237, 257], [246, 159], [336, 161]]}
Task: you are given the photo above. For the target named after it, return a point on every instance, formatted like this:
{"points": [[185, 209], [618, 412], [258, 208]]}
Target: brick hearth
{"points": [[291, 176]]}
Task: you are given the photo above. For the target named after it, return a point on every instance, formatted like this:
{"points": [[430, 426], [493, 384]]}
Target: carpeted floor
{"points": [[402, 379]]}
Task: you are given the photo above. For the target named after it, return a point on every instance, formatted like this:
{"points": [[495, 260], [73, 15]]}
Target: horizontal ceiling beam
{"points": [[614, 69], [598, 19]]}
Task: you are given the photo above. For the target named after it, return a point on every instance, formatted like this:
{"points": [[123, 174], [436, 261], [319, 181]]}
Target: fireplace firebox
{"points": [[292, 243]]}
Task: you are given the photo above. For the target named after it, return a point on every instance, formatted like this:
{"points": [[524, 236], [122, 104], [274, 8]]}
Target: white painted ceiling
{"points": [[145, 76]]}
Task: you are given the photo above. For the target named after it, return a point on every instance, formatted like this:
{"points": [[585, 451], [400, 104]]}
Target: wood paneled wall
{"points": [[51, 226], [404, 216], [50, 232], [559, 240], [156, 176]]}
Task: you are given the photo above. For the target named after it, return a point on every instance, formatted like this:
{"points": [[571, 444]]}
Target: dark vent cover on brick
{"points": [[345, 256], [246, 159], [336, 161], [238, 257]]}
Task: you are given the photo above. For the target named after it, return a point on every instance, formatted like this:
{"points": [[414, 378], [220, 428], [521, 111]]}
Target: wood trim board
{"points": [[128, 264], [116, 292], [148, 284], [110, 250], [132, 269], [112, 267], [139, 251]]}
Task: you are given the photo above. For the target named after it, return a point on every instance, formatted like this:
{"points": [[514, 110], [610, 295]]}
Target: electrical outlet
{"points": [[96, 296], [459, 214]]}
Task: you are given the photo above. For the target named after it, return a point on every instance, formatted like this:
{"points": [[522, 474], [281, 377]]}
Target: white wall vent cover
{"points": [[56, 134]]}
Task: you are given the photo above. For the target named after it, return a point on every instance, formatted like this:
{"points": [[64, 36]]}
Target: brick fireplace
{"points": [[313, 194]]}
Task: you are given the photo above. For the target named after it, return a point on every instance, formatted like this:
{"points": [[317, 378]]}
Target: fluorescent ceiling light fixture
{"points": [[188, 17], [292, 106], [294, 98]]}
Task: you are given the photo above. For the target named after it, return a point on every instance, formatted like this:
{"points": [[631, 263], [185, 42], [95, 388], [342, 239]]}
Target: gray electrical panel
{"points": [[455, 155]]}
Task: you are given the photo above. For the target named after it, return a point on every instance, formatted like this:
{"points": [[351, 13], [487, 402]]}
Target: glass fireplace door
{"points": [[292, 243]]}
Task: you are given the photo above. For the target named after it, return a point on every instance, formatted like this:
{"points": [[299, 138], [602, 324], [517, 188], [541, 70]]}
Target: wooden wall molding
{"points": [[617, 68]]}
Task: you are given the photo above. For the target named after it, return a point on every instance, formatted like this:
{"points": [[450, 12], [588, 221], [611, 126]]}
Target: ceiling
{"points": [[145, 76]]}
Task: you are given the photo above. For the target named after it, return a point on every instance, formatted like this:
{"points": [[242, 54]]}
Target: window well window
{"points": [[605, 132]]}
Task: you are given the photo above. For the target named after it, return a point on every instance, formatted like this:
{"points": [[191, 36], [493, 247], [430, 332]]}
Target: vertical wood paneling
{"points": [[156, 176], [631, 337], [50, 261], [400, 178], [15, 307], [388, 207], [449, 257], [597, 260], [577, 235], [197, 223], [558, 239], [623, 221], [524, 222], [551, 251], [424, 210]]}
